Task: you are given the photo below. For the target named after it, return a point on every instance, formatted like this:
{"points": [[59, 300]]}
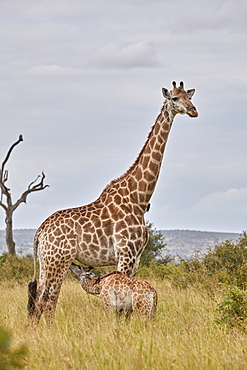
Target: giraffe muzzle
{"points": [[192, 112]]}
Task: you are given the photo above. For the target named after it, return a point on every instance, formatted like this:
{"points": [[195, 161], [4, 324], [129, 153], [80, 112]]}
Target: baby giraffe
{"points": [[119, 292]]}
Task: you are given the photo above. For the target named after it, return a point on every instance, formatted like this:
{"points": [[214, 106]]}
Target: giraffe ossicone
{"points": [[111, 230], [119, 293]]}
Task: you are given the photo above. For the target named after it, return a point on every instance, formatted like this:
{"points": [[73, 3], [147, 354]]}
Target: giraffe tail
{"points": [[32, 292], [32, 286]]}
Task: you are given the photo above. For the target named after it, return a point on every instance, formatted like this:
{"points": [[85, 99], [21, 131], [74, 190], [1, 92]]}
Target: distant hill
{"points": [[23, 241], [178, 242], [185, 243]]}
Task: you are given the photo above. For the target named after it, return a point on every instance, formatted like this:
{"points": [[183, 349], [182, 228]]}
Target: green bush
{"points": [[18, 269], [228, 262], [233, 309], [171, 271], [155, 249], [153, 270]]}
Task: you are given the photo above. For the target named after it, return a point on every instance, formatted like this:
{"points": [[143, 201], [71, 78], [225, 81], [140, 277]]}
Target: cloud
{"points": [[223, 202], [210, 16], [53, 70], [220, 210], [75, 82], [223, 210], [141, 54]]}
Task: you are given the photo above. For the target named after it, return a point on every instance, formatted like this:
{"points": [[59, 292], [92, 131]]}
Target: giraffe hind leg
{"points": [[34, 312], [32, 293], [35, 308], [51, 292], [145, 308], [50, 281], [45, 303]]}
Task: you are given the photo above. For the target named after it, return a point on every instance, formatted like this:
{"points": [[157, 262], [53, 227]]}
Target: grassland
{"points": [[183, 335]]}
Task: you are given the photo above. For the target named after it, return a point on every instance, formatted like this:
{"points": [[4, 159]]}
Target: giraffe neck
{"points": [[143, 174], [137, 185], [90, 285]]}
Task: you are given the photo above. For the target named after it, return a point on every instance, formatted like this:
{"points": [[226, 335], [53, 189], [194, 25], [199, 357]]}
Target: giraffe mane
{"points": [[125, 174], [105, 276]]}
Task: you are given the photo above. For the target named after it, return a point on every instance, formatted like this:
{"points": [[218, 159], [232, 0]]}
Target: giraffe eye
{"points": [[175, 98]]}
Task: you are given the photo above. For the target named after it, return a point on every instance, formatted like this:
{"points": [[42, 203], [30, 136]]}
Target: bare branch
{"points": [[9, 152], [33, 182], [32, 187], [4, 173], [3, 205], [5, 176]]}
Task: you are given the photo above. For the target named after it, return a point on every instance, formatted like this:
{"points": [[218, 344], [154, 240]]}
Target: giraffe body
{"points": [[110, 230], [119, 293]]}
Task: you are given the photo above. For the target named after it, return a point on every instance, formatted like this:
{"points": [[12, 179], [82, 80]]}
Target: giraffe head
{"points": [[181, 99], [81, 272]]}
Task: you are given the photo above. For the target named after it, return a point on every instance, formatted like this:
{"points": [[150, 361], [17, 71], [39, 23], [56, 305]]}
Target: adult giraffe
{"points": [[110, 230]]}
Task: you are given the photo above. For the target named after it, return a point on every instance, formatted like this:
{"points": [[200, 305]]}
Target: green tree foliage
{"points": [[155, 249]]}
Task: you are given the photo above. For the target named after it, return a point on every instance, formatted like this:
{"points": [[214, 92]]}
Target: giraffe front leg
{"points": [[136, 265], [128, 262], [129, 250]]}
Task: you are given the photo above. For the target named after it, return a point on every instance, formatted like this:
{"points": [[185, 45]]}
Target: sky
{"points": [[81, 81]]}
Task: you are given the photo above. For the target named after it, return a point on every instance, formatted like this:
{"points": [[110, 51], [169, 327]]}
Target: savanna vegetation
{"points": [[200, 323]]}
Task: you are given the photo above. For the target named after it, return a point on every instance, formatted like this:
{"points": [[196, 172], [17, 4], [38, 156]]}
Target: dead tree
{"points": [[6, 198]]}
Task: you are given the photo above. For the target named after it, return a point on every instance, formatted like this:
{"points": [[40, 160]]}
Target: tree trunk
{"points": [[9, 234]]}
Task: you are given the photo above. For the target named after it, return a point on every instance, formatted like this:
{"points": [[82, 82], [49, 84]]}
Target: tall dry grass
{"points": [[183, 335]]}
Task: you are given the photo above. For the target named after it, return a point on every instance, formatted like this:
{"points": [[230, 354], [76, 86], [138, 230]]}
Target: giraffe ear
{"points": [[87, 269], [190, 93], [166, 93]]}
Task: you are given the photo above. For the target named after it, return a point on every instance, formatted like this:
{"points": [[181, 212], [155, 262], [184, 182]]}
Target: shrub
{"points": [[155, 249], [153, 270], [233, 309], [18, 269], [171, 271], [228, 262]]}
